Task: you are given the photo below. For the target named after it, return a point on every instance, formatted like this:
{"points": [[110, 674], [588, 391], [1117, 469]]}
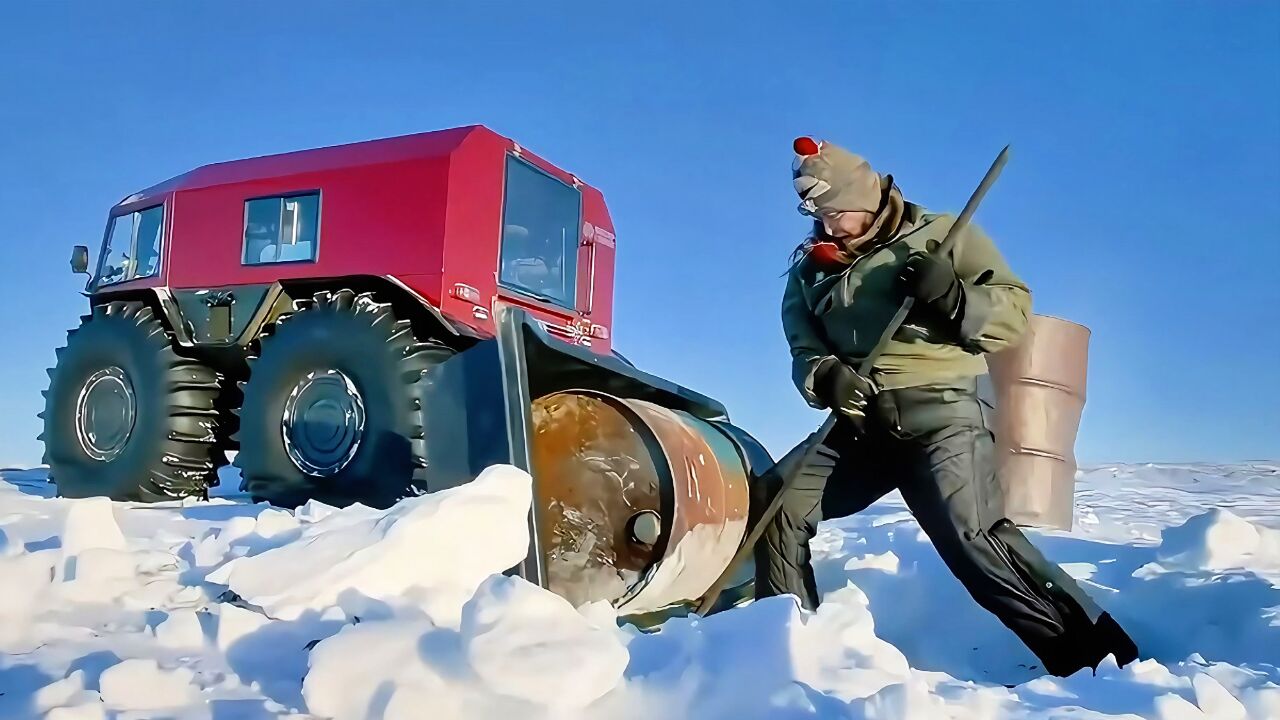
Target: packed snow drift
{"points": [[225, 610]]}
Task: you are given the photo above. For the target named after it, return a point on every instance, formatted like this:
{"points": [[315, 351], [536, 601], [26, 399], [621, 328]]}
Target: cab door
{"points": [[543, 264]]}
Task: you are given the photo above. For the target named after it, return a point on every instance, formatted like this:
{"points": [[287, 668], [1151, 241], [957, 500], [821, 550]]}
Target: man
{"points": [[915, 424]]}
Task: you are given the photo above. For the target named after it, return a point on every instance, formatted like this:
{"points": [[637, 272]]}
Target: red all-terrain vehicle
{"points": [[377, 320]]}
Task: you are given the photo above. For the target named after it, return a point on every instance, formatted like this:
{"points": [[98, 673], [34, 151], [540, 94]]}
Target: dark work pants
{"points": [[933, 445]]}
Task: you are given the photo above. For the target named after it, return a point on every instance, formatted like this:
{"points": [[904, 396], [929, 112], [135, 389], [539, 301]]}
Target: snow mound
{"points": [[519, 650], [519, 639], [1219, 540], [837, 650], [423, 547]]}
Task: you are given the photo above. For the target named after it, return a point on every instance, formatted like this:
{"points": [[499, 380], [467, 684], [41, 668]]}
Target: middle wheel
{"points": [[331, 409]]}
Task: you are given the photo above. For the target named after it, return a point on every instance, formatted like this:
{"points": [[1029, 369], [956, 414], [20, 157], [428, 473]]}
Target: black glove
{"points": [[932, 280], [842, 389]]}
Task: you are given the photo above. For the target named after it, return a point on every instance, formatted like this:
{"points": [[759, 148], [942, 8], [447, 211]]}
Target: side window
{"points": [[150, 228], [132, 248], [281, 229], [540, 221]]}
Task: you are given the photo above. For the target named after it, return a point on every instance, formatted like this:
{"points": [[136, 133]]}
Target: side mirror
{"points": [[80, 260]]}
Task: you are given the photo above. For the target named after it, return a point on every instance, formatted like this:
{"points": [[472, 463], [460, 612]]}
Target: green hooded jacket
{"points": [[840, 312]]}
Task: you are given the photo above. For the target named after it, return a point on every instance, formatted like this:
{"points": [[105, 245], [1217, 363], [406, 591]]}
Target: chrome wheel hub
{"points": [[105, 413], [323, 422]]}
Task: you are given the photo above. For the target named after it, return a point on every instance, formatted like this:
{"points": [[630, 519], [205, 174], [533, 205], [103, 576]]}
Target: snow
{"points": [[90, 524], [180, 630], [225, 609], [360, 555], [136, 684], [516, 648], [234, 624], [65, 692], [90, 710], [520, 640], [1219, 540]]}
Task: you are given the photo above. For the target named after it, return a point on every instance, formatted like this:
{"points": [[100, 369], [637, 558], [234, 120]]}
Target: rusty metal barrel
{"points": [[1040, 389], [641, 505]]}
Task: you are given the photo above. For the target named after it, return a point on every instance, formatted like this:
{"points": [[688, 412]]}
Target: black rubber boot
{"points": [[1085, 646], [1067, 654], [1111, 639]]}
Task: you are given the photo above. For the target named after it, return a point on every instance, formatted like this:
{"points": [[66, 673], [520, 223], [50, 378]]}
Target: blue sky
{"points": [[1142, 198]]}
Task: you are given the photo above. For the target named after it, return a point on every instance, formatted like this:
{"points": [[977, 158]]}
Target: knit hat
{"points": [[829, 178]]}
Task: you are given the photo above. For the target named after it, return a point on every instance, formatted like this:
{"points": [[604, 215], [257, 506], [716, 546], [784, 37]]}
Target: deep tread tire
{"points": [[170, 451], [361, 338]]}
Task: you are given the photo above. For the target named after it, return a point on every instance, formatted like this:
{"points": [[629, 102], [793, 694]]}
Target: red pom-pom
{"points": [[805, 146]]}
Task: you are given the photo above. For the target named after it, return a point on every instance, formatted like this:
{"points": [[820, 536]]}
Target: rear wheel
{"points": [[125, 416], [331, 408]]}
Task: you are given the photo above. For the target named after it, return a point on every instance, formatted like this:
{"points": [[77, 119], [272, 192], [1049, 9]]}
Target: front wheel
{"points": [[125, 416], [331, 408]]}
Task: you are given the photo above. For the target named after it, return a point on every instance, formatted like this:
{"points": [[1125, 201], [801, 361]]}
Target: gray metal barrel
{"points": [[1039, 392]]}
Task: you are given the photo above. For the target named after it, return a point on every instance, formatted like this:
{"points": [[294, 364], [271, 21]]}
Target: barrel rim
{"points": [[1063, 321]]}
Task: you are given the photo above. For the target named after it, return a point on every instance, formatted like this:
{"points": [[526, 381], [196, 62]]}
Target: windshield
{"points": [[132, 247], [540, 234]]}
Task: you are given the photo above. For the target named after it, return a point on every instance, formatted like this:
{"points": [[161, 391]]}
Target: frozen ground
{"points": [[227, 610]]}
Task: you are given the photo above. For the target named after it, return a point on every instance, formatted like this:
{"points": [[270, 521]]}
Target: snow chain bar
{"points": [[947, 246]]}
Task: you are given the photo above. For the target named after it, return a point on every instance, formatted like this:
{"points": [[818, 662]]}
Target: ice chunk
{"points": [[1175, 707], [99, 575], [348, 671], [521, 641], [272, 522], [882, 561], [60, 692], [447, 541], [1151, 672], [1262, 702], [33, 573], [236, 528], [1215, 700], [206, 551], [181, 630], [236, 622], [141, 685], [314, 511], [94, 566], [90, 523]]}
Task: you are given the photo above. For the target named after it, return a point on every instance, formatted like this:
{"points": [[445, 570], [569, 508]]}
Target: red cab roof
{"points": [[417, 146]]}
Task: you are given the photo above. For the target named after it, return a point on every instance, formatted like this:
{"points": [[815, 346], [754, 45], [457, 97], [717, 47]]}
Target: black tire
{"points": [[331, 407], [230, 398], [125, 416]]}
